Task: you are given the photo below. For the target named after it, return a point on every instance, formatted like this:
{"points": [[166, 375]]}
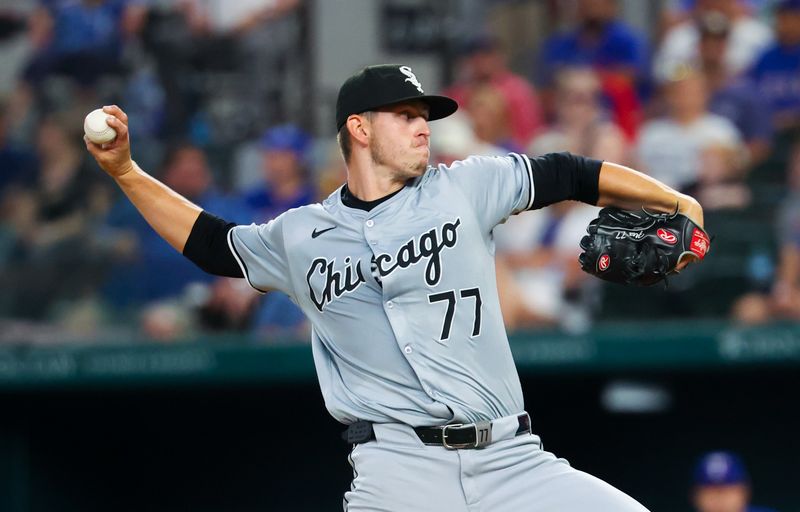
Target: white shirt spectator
{"points": [[226, 15], [747, 40], [542, 288], [671, 152]]}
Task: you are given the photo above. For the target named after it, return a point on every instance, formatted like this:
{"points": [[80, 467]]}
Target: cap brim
{"points": [[439, 106]]}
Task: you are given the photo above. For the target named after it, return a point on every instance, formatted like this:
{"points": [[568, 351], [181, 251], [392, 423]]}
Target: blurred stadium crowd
{"points": [[707, 101]]}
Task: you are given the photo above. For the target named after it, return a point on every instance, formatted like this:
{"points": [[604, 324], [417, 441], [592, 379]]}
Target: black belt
{"points": [[453, 436]]}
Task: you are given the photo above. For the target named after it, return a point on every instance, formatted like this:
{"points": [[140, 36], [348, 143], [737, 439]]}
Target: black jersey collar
{"points": [[349, 200]]}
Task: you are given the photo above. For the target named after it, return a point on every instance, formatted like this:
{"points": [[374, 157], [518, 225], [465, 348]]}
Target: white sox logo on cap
{"points": [[411, 78], [385, 84]]}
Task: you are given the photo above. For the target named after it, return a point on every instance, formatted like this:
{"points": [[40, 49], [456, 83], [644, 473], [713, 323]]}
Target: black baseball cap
{"points": [[383, 85]]}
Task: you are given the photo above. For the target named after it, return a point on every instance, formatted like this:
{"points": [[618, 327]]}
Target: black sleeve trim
{"points": [[564, 176], [207, 246]]}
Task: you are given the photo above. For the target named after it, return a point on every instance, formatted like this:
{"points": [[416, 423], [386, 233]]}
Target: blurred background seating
{"points": [[231, 104], [702, 95]]}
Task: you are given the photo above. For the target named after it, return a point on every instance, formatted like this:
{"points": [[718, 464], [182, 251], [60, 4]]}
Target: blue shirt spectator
{"points": [[80, 26], [285, 182], [285, 185], [777, 75], [777, 72], [748, 38], [600, 41], [267, 204], [616, 52], [156, 270], [688, 5], [740, 103], [18, 163], [278, 315], [721, 482], [81, 39], [734, 98]]}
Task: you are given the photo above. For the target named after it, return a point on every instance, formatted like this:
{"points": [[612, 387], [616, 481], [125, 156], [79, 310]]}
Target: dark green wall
{"points": [[242, 449]]}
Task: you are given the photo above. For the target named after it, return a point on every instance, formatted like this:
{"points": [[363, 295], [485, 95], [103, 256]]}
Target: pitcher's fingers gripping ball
{"points": [[96, 127], [114, 157], [640, 248]]}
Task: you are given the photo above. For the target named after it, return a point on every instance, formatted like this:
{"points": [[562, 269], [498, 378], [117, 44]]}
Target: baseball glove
{"points": [[639, 248]]}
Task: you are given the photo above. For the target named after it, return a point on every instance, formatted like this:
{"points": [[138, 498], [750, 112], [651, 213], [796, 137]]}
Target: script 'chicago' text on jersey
{"points": [[428, 246]]}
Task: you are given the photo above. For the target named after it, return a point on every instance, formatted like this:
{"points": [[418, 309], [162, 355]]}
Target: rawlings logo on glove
{"points": [[640, 247]]}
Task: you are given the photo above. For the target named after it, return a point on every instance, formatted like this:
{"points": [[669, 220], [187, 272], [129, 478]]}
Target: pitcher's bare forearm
{"points": [[168, 213], [564, 176], [626, 188]]}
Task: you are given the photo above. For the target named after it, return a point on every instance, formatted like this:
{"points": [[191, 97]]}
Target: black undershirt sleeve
{"points": [[563, 176], [207, 246]]}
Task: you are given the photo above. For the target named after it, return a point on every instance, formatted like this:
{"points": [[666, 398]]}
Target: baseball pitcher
{"points": [[395, 271]]}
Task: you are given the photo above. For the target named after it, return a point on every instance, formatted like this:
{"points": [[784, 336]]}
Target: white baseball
{"points": [[96, 128]]}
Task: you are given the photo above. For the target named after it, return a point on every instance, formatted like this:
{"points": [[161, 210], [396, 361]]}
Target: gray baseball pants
{"points": [[398, 473]]}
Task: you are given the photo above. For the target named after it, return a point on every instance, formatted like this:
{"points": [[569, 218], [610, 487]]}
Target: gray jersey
{"points": [[406, 322]]}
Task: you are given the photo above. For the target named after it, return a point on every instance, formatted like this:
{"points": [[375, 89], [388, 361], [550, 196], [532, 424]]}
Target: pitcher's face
{"points": [[400, 138]]}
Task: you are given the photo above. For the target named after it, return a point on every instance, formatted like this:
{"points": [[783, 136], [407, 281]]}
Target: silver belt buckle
{"points": [[444, 437], [483, 435]]}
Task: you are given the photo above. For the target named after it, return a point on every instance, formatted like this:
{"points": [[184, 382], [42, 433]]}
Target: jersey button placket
{"points": [[371, 237]]}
